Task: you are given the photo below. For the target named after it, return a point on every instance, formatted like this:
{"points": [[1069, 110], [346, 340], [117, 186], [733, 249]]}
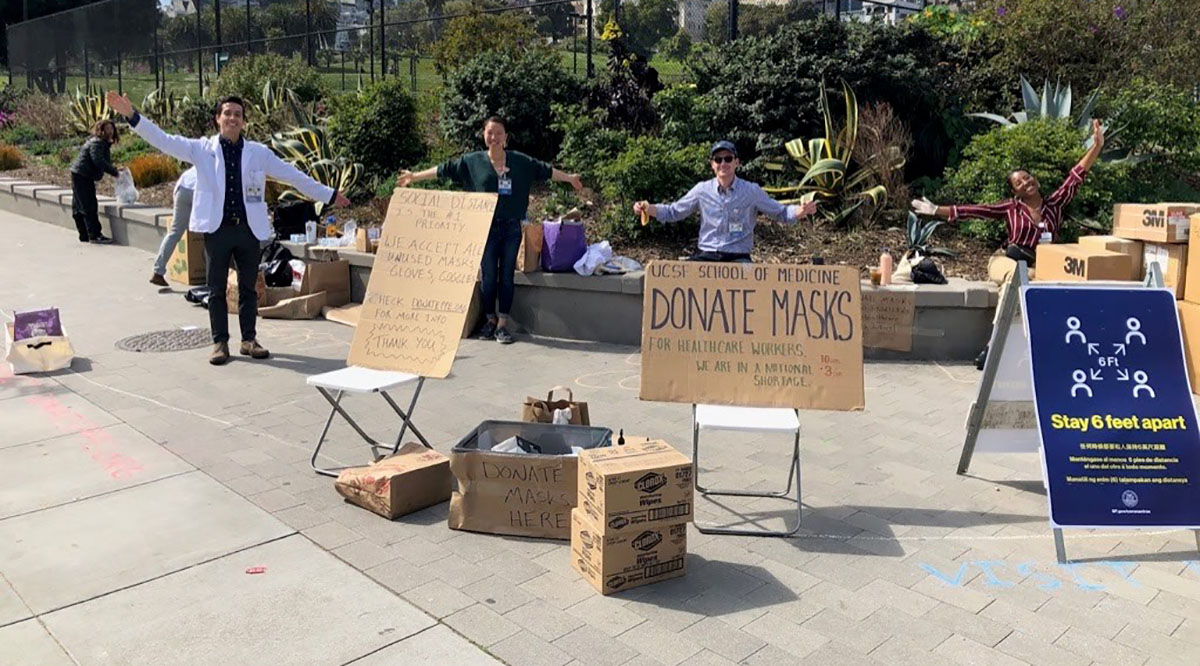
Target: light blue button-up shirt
{"points": [[727, 216]]}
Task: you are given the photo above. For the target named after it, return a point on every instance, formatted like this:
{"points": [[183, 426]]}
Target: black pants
{"points": [[1019, 253], [236, 242], [706, 255], [84, 208], [499, 264]]}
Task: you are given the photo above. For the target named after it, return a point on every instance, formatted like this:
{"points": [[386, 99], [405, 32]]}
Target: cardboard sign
{"points": [[888, 316], [421, 285], [1119, 436], [754, 335]]}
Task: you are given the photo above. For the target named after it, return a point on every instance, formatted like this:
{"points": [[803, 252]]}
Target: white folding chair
{"points": [[333, 385], [748, 419]]}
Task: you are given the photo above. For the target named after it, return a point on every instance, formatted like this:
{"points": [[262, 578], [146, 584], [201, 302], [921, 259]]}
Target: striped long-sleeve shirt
{"points": [[1022, 229]]}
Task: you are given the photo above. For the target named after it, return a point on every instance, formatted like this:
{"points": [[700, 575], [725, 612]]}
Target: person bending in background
{"points": [[184, 189], [1030, 218], [94, 160], [729, 207], [509, 174]]}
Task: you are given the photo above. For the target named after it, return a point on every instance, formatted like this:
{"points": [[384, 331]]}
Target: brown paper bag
{"points": [[412, 479], [231, 290], [529, 257], [331, 277], [542, 411], [298, 307]]}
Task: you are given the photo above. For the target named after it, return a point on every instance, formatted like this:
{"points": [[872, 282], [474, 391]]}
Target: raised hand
{"points": [[341, 201], [1097, 132], [119, 103], [405, 179], [924, 206]]}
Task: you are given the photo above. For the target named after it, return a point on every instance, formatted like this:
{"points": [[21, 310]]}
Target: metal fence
{"points": [[136, 46]]}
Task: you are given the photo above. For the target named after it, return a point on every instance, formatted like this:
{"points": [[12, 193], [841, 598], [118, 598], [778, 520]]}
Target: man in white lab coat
{"points": [[229, 207]]}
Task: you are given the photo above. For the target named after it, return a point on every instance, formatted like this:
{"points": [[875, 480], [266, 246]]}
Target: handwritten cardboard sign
{"points": [[422, 282], [888, 316], [757, 335]]}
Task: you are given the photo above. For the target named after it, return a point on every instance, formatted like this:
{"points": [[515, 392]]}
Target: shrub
{"points": [[521, 90], [10, 157], [586, 146], [17, 133], [654, 169], [194, 118], [764, 92], [129, 147], [48, 116], [150, 170], [247, 76], [468, 36], [1047, 149], [378, 127], [683, 114], [1160, 120]]}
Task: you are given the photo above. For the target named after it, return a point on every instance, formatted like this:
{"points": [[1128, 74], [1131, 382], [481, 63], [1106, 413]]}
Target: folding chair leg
{"points": [[793, 474], [407, 418], [335, 402]]}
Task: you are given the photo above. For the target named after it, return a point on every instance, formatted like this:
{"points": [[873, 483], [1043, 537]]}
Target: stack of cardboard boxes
{"points": [[1189, 307], [629, 527]]}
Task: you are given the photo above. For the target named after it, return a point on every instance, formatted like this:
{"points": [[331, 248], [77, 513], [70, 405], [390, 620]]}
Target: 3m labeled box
{"points": [[614, 562], [1191, 283], [1172, 261], [1077, 263], [636, 486], [1189, 325], [1157, 223], [1132, 248]]}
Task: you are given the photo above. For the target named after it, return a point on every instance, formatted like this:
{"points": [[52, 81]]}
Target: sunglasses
{"points": [[727, 159]]}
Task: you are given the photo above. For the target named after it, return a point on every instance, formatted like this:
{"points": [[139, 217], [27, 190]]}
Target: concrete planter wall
{"points": [[953, 321]]}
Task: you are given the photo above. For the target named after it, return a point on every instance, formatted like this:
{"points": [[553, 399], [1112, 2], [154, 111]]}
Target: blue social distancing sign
{"points": [[1120, 445]]}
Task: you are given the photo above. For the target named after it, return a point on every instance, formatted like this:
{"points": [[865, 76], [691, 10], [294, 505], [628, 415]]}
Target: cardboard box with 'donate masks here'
{"points": [[414, 478], [613, 562], [632, 487]]}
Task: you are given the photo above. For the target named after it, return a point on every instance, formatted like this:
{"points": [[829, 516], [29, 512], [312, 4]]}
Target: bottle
{"points": [[886, 267], [310, 232], [331, 227], [349, 231]]}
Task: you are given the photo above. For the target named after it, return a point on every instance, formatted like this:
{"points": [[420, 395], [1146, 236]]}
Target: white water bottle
{"points": [[310, 232]]}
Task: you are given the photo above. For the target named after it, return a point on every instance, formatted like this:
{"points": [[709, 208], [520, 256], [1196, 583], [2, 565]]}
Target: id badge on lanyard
{"points": [[1046, 236], [504, 186]]}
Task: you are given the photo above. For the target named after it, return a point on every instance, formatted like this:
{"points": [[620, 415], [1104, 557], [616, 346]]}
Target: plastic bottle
{"points": [[330, 227], [349, 230], [310, 232], [886, 266]]}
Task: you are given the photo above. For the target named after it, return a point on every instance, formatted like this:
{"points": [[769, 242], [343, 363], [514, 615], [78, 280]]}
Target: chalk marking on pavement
{"points": [[951, 376]]}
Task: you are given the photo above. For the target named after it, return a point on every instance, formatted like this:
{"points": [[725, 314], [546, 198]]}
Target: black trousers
{"points": [[237, 243], [84, 208]]}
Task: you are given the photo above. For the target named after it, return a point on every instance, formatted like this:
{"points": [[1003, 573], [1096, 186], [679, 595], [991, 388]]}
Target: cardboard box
{"points": [[614, 562], [412, 479], [1157, 223], [637, 486], [1132, 248], [331, 277], [1191, 283], [519, 494], [1076, 263], [186, 265], [1172, 260], [1189, 325]]}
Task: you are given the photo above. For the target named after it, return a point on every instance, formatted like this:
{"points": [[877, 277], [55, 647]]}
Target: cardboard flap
{"points": [[633, 456]]}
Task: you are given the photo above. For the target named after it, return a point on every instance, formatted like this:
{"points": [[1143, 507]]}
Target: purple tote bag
{"points": [[563, 243]]}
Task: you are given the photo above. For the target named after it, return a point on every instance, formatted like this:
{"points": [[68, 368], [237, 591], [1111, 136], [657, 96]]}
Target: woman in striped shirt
{"points": [[1030, 217]]}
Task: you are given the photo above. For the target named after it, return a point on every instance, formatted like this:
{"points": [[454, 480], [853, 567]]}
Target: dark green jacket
{"points": [[474, 173]]}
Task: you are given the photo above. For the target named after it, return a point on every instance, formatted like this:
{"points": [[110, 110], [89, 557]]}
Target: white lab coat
{"points": [[258, 163]]}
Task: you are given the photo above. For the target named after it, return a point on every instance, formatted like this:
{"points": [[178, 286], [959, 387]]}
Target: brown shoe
{"points": [[254, 350], [159, 280], [220, 354]]}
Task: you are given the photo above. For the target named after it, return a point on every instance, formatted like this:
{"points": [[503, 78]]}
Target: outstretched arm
{"points": [[181, 148], [1093, 153], [286, 173], [407, 177], [995, 211]]}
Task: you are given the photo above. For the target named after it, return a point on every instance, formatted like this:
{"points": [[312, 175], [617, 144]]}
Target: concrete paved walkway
{"points": [[140, 488]]}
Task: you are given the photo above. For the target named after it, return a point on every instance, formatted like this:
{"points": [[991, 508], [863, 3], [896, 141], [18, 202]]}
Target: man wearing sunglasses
{"points": [[729, 207]]}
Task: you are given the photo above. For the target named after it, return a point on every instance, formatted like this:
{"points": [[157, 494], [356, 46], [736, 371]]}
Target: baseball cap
{"points": [[723, 145]]}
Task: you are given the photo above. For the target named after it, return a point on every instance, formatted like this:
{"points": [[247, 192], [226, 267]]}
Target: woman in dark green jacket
{"points": [[94, 160], [510, 174]]}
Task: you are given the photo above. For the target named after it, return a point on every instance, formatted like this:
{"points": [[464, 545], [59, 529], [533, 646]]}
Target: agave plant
{"points": [[309, 150], [1053, 103], [161, 103], [89, 108], [832, 175], [920, 235]]}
